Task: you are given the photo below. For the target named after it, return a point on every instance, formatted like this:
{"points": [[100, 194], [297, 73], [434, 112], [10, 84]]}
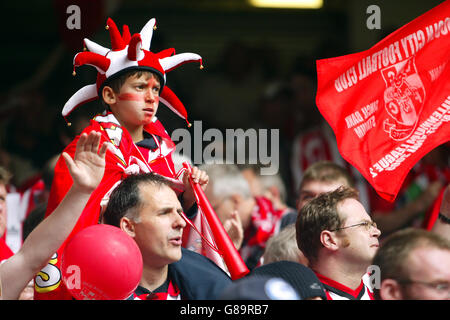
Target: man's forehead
{"points": [[318, 187], [352, 209], [156, 194], [429, 259]]}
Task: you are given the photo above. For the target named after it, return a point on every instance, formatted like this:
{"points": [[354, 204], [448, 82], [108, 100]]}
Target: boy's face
{"points": [[137, 101]]}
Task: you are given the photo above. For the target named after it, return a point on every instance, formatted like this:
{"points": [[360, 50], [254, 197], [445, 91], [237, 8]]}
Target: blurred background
{"points": [[259, 65]]}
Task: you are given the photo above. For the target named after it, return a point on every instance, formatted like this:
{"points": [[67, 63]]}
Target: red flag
{"points": [[198, 237], [390, 105]]}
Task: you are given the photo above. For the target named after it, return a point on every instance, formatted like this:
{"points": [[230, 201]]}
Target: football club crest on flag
{"points": [[390, 105], [403, 99]]}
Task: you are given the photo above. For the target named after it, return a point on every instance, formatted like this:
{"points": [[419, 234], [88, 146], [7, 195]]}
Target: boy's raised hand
{"points": [[88, 165]]}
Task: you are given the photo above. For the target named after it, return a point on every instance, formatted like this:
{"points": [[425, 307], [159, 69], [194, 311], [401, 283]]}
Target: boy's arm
{"points": [[87, 170], [440, 227]]}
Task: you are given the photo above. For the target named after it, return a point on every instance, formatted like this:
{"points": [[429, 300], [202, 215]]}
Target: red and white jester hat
{"points": [[128, 52]]}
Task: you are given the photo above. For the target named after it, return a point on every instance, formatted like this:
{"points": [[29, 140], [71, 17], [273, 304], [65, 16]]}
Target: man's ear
{"points": [[108, 95], [329, 240], [127, 225], [390, 290]]}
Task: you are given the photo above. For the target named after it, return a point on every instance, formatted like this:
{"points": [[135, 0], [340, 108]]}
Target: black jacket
{"points": [[197, 277]]}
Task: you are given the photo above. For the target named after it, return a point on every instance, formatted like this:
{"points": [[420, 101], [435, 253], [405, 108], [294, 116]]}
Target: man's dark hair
{"points": [[125, 200]]}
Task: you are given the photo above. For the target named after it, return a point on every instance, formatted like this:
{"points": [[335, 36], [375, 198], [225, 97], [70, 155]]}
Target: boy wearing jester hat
{"points": [[131, 80]]}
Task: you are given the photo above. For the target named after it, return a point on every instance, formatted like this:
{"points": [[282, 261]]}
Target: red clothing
{"points": [[337, 291], [264, 219], [126, 159], [5, 251], [167, 291]]}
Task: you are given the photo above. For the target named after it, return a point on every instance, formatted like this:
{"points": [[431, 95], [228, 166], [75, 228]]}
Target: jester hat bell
{"points": [[128, 53]]}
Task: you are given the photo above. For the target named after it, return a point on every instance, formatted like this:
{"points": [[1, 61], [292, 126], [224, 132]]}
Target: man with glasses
{"points": [[339, 238], [320, 177], [415, 265]]}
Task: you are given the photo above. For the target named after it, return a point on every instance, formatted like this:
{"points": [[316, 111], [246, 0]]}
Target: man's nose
{"points": [[149, 95], [180, 221], [376, 232]]}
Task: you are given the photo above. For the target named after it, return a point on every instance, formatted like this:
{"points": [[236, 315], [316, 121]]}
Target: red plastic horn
{"points": [[231, 256]]}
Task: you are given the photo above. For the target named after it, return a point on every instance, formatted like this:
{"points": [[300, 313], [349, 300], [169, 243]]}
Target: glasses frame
{"points": [[438, 287], [367, 224]]}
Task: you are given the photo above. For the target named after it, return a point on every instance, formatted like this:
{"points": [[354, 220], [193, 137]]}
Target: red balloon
{"points": [[101, 262]]}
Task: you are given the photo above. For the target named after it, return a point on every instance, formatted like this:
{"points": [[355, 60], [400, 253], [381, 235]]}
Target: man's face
{"points": [[312, 189], [222, 205], [137, 101], [428, 274], [359, 243], [253, 181], [2, 209], [159, 229]]}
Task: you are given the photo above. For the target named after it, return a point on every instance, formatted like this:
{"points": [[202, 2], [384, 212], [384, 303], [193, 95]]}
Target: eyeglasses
{"points": [[366, 224], [440, 287]]}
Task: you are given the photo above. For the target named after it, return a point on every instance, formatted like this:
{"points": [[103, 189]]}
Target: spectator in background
{"points": [[270, 187], [251, 173], [325, 176], [274, 189], [283, 246], [414, 264], [320, 177], [340, 240]]}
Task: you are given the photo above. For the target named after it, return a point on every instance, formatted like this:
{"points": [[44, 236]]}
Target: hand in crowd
{"points": [[233, 227], [88, 166]]}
